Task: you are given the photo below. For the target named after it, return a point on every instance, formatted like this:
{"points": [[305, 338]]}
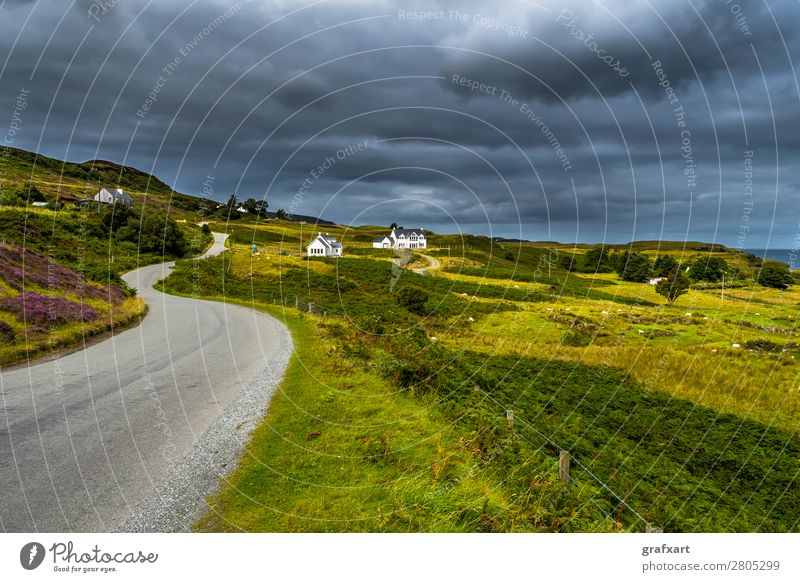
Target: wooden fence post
{"points": [[563, 465], [510, 418]]}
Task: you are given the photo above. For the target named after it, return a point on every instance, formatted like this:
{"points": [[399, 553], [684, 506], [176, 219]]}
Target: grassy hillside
{"points": [[45, 306], [68, 182], [61, 265], [395, 413]]}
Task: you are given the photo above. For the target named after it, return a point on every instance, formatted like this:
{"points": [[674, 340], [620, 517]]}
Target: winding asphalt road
{"points": [[86, 439]]}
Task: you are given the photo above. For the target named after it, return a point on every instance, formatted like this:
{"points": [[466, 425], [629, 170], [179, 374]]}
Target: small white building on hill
{"points": [[382, 242], [324, 246], [402, 238], [114, 196]]}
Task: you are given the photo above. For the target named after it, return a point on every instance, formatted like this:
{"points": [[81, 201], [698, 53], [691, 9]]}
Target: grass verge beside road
{"points": [[343, 451]]}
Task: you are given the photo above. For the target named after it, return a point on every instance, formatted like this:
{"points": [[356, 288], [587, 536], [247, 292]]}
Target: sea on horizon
{"points": [[789, 256]]}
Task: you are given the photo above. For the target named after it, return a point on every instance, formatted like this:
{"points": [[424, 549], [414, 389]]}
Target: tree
{"points": [[776, 275], [569, 262], [598, 260], [413, 299], [708, 268], [205, 229], [509, 256], [31, 194], [154, 233], [675, 285], [393, 225], [115, 216], [250, 205], [261, 208], [664, 265], [229, 210], [22, 196], [634, 267], [280, 214]]}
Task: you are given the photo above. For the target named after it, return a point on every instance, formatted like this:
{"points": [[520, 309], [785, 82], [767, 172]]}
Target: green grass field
{"points": [[679, 416]]}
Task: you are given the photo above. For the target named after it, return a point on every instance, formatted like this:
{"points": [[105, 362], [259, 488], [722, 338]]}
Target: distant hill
{"points": [[301, 218], [503, 239], [70, 182]]}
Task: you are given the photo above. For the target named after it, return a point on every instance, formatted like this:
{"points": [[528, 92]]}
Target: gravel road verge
{"points": [[179, 500]]}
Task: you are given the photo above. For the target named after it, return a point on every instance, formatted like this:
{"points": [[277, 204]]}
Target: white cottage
{"points": [[402, 238], [408, 238], [113, 196], [382, 242], [324, 246]]}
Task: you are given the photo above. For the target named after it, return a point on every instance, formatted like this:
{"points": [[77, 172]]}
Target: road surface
{"points": [[432, 264], [86, 439]]}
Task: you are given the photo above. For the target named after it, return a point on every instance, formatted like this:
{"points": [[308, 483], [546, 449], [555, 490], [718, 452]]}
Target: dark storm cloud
{"points": [[541, 118]]}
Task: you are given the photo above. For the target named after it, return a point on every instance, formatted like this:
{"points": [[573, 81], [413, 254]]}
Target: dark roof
{"points": [[117, 193], [380, 238], [329, 240], [409, 231]]}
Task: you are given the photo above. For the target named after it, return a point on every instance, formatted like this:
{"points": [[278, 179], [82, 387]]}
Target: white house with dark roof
{"points": [[113, 196], [408, 238], [324, 246], [382, 242]]}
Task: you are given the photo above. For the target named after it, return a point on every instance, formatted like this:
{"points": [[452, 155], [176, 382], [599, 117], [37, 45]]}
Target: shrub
{"points": [[664, 265], [776, 275], [765, 345], [569, 262], [6, 332], [576, 338], [154, 234], [413, 299], [38, 310], [708, 269], [634, 267], [598, 260]]}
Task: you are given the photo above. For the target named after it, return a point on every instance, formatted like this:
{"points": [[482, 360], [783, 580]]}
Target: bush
{"points": [[664, 265], [6, 332], [708, 269], [569, 262], [634, 267], [576, 338], [598, 260], [776, 275], [765, 345], [38, 310], [413, 299], [154, 234]]}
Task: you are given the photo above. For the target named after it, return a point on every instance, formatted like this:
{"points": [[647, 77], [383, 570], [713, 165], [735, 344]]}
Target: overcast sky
{"points": [[613, 120]]}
